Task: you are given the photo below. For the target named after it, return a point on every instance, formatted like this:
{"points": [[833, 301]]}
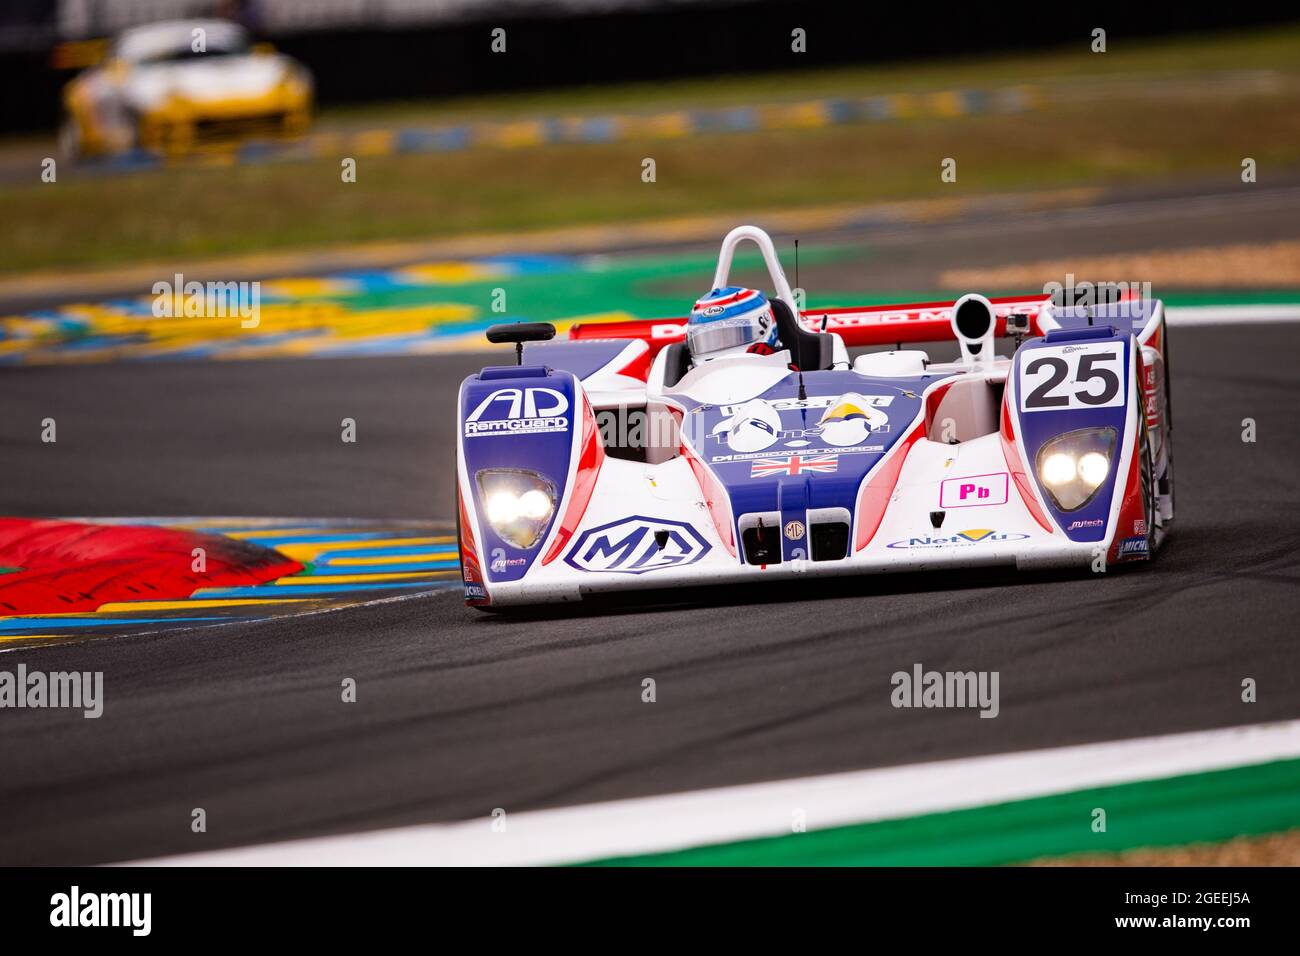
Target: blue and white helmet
{"points": [[730, 320]]}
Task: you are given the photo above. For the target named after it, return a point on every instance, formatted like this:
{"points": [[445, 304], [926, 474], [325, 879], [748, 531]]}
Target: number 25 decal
{"points": [[1072, 376]]}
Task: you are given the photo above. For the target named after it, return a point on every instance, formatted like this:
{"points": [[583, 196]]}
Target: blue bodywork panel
{"points": [[1082, 397], [517, 418]]}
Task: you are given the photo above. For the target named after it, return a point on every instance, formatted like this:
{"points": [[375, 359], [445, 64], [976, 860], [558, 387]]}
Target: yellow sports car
{"points": [[182, 85]]}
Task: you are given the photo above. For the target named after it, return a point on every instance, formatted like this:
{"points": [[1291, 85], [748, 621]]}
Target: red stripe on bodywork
{"points": [[1157, 337], [1017, 468], [639, 365], [1132, 508], [873, 496], [715, 496], [932, 400], [584, 481], [471, 570]]}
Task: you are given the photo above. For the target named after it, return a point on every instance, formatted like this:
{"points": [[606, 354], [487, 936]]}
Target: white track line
{"points": [[678, 821], [1183, 315]]}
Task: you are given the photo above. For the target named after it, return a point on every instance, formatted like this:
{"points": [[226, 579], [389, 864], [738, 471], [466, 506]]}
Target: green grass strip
{"points": [[1175, 811]]}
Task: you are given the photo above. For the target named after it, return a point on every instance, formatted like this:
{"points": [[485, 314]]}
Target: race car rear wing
{"points": [[857, 326]]}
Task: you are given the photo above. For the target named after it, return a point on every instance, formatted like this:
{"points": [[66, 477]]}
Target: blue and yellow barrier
{"points": [[623, 127]]}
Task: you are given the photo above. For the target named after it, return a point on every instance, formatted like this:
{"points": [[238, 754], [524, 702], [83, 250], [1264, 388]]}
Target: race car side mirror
{"points": [[519, 333]]}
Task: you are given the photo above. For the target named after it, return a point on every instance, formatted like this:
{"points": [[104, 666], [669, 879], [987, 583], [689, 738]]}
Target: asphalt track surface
{"points": [[459, 712]]}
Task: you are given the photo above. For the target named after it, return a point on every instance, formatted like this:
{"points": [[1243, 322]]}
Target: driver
{"points": [[731, 321]]}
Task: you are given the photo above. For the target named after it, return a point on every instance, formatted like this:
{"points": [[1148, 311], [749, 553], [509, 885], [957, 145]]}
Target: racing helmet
{"points": [[731, 320]]}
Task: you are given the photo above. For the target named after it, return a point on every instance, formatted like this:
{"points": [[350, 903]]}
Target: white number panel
{"points": [[1082, 375]]}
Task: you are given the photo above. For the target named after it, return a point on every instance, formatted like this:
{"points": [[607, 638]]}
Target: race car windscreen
{"points": [[181, 43]]}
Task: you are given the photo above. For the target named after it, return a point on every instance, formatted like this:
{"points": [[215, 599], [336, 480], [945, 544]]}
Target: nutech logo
{"points": [[519, 411], [635, 545]]}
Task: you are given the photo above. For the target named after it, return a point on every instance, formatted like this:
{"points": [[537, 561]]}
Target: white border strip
{"points": [[725, 815], [1184, 315]]}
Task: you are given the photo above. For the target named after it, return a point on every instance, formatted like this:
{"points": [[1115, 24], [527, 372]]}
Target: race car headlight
{"points": [[1074, 465], [518, 504]]}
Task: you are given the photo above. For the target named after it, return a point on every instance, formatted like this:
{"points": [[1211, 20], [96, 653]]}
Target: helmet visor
{"points": [[711, 337]]}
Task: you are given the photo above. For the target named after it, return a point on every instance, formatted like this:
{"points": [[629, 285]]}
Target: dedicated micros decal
{"points": [[1072, 376], [804, 453], [970, 536], [637, 544], [529, 411], [974, 491]]}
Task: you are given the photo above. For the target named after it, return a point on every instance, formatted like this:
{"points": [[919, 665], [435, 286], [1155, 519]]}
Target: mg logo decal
{"points": [[637, 544]]}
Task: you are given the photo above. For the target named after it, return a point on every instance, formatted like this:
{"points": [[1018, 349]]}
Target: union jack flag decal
{"points": [[793, 465]]}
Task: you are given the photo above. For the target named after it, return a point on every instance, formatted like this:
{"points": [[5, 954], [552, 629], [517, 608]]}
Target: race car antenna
{"points": [[803, 392], [796, 265]]}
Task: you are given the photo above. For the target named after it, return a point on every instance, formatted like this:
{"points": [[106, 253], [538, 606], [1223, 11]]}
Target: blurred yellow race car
{"points": [[180, 86]]}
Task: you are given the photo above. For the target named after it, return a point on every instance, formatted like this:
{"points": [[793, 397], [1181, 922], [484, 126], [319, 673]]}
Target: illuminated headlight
{"points": [[518, 504], [1074, 465]]}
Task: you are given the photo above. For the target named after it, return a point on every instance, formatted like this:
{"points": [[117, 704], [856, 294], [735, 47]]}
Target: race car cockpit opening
{"points": [[809, 351]]}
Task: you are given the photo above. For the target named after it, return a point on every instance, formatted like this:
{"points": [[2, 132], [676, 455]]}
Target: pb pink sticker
{"points": [[975, 491]]}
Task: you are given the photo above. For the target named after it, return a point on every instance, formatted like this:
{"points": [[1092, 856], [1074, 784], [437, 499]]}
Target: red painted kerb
{"points": [[70, 566]]}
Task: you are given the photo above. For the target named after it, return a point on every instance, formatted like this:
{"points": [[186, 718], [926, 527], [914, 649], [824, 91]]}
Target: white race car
{"points": [[177, 86], [611, 462]]}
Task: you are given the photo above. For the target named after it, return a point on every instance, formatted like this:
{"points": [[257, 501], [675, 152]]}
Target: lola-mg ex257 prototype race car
{"points": [[803, 462]]}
